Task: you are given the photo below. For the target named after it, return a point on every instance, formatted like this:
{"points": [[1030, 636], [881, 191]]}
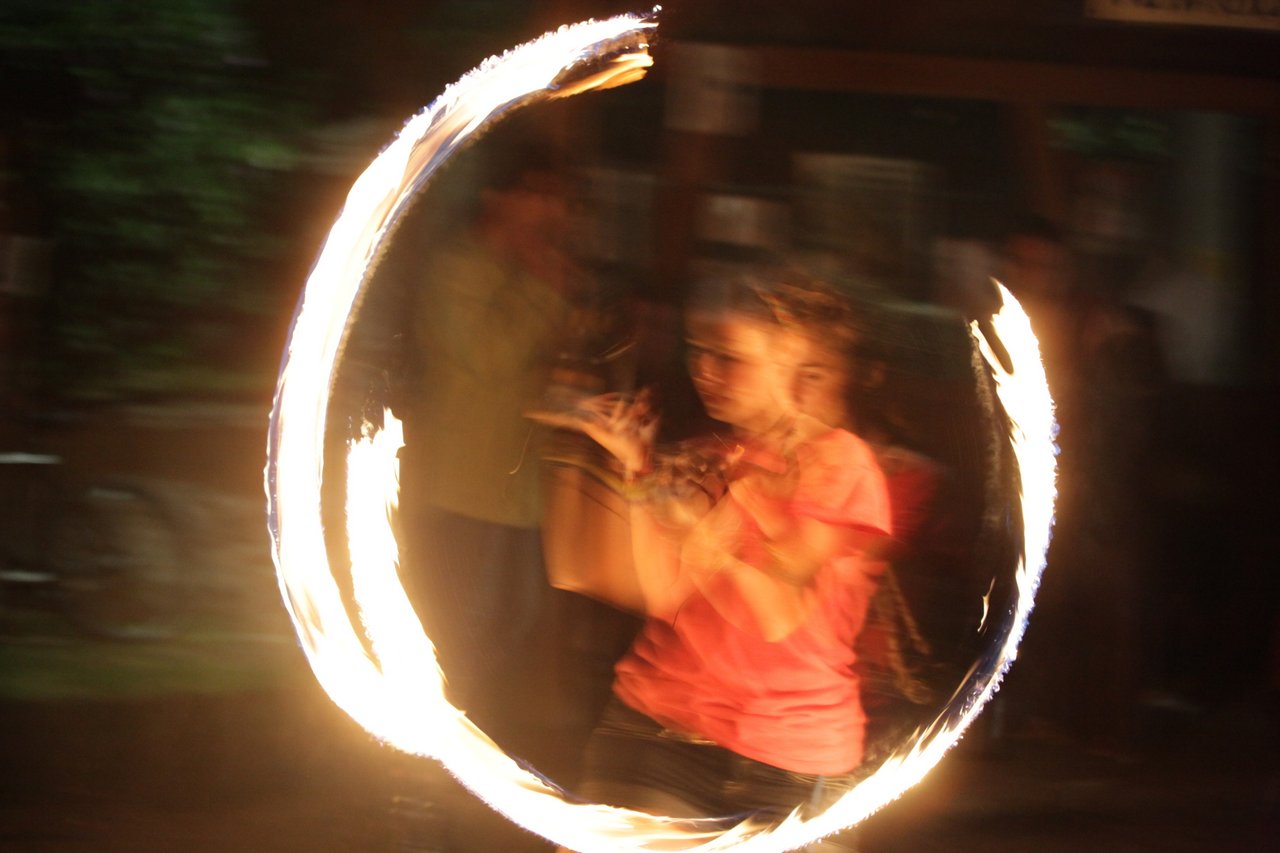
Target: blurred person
{"points": [[1102, 368], [754, 552], [488, 311], [1200, 499], [1035, 264]]}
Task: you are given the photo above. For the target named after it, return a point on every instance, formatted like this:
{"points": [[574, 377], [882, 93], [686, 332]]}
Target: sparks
{"points": [[392, 685]]}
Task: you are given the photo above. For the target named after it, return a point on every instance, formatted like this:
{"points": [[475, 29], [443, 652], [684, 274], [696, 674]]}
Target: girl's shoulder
{"points": [[819, 443]]}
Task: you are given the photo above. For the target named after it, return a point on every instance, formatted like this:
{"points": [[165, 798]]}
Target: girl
{"points": [[740, 692]]}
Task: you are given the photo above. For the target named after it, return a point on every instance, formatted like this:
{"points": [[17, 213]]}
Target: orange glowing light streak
{"points": [[1024, 395], [393, 686], [405, 656]]}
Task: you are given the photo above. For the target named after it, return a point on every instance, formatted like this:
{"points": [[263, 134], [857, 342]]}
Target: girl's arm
{"points": [[773, 594], [769, 585], [660, 511]]}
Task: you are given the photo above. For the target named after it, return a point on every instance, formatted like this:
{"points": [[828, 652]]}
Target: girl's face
{"points": [[743, 368], [821, 387]]}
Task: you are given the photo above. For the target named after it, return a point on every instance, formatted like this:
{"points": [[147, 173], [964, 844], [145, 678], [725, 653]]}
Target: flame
{"points": [[392, 686]]}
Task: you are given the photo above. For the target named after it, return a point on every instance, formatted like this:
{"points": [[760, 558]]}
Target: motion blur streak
{"points": [[392, 686]]}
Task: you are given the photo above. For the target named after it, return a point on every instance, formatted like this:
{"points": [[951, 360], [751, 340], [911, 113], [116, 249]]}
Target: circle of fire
{"points": [[393, 686]]}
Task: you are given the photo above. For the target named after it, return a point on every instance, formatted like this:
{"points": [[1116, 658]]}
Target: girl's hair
{"points": [[786, 295], [849, 315], [742, 294]]}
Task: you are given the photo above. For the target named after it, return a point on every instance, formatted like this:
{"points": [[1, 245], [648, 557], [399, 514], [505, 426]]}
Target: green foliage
{"points": [[168, 151]]}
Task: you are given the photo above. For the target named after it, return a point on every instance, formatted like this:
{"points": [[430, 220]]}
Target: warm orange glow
{"points": [[395, 690]]}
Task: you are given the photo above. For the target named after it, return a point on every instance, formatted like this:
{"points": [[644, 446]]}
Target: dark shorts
{"points": [[633, 762]]}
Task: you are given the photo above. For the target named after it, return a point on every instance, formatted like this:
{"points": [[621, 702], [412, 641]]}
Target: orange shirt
{"points": [[794, 703]]}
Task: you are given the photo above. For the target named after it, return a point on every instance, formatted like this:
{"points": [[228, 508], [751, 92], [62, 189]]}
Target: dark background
{"points": [[168, 171]]}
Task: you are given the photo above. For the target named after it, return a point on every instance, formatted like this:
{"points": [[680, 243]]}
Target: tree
{"points": [[166, 146]]}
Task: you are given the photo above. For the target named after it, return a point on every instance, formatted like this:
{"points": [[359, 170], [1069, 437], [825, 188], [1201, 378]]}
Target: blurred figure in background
{"points": [[1103, 369], [486, 306], [487, 313]]}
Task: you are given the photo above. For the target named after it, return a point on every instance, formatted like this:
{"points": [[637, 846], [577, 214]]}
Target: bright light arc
{"points": [[391, 685]]}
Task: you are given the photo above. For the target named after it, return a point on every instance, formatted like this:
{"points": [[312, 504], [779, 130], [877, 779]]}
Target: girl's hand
{"points": [[713, 543], [625, 427]]}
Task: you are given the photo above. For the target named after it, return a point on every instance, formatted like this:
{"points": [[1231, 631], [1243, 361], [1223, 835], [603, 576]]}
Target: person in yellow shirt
{"points": [[488, 310]]}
